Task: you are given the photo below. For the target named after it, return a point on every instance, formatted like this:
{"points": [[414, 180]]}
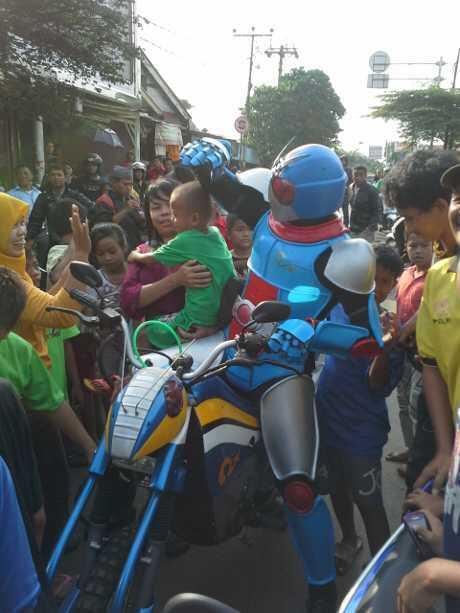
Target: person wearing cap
{"points": [[116, 198], [89, 182], [140, 183], [120, 204], [438, 340]]}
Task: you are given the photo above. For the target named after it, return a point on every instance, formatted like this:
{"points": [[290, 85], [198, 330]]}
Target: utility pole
{"points": [[454, 81], [448, 144], [440, 63], [252, 35], [282, 51]]}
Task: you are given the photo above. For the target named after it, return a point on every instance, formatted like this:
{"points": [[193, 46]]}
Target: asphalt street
{"points": [[258, 571]]}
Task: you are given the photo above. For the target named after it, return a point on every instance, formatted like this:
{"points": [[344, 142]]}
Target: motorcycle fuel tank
{"points": [[141, 420]]}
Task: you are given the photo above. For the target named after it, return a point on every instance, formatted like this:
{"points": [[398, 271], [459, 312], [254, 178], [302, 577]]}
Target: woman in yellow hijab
{"points": [[35, 318]]}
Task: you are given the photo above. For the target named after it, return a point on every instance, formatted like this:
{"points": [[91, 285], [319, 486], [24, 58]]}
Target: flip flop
{"points": [[400, 457], [345, 555]]}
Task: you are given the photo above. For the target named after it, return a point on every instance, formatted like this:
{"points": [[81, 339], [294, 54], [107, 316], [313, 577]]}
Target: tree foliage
{"points": [[356, 158], [424, 115], [46, 46], [304, 106]]}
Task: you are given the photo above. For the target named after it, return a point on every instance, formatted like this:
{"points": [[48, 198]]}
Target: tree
{"points": [[304, 106], [356, 158], [46, 46], [424, 115]]}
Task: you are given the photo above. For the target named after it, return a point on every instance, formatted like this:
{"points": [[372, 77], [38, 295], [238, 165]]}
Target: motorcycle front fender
{"points": [[290, 427]]}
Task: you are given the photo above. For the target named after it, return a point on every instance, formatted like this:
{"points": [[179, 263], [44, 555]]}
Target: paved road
{"points": [[258, 572]]}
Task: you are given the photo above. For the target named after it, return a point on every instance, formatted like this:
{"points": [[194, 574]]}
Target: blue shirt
{"points": [[353, 417], [27, 197], [19, 586]]}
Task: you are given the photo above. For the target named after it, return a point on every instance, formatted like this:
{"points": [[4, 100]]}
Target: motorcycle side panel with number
{"points": [[223, 463]]}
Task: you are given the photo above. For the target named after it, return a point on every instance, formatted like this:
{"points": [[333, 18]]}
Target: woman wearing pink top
{"points": [[153, 290]]}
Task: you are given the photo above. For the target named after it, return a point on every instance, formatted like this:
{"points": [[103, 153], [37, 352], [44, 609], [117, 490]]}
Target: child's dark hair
{"points": [[61, 213], [231, 221], [12, 298], [361, 169], [182, 174], [197, 199], [163, 190], [389, 258], [109, 230], [415, 180]]}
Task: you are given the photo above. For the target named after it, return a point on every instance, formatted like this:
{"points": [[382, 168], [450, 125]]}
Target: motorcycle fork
{"points": [[153, 552], [97, 469], [167, 478]]}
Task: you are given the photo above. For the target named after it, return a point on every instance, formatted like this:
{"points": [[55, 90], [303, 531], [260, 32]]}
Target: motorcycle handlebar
{"points": [[209, 360], [89, 320], [83, 298], [129, 346]]}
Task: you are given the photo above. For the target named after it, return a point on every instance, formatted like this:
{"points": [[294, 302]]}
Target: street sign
{"points": [[379, 61], [378, 81], [242, 124]]}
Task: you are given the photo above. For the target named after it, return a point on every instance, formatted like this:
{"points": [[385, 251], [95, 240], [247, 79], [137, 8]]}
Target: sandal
{"points": [[398, 456], [345, 555]]}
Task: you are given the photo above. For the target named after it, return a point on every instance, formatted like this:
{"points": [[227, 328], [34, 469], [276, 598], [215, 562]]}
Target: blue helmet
{"points": [[308, 183]]}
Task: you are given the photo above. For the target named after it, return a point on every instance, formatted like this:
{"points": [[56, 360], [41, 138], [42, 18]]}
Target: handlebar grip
{"points": [[83, 298], [86, 319]]}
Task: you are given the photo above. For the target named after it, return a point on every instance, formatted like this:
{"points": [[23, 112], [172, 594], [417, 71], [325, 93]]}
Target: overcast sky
{"points": [[193, 48]]}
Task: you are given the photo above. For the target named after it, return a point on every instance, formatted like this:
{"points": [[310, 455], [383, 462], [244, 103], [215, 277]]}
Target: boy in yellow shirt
{"points": [[438, 340]]}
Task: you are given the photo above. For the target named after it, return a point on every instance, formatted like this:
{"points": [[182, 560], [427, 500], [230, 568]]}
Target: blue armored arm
{"points": [[208, 158], [210, 153]]}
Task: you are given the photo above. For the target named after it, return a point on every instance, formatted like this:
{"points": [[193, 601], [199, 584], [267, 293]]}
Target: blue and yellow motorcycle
{"points": [[179, 432]]}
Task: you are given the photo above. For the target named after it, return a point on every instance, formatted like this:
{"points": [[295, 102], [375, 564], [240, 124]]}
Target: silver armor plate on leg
{"points": [[290, 427]]}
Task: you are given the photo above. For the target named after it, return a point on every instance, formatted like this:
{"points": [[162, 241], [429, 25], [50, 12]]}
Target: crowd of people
{"points": [[166, 250]]}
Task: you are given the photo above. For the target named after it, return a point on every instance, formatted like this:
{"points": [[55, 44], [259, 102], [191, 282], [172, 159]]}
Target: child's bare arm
{"points": [[141, 258], [407, 332], [379, 372]]}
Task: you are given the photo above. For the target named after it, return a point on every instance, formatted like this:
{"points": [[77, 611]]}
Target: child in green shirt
{"points": [[191, 212]]}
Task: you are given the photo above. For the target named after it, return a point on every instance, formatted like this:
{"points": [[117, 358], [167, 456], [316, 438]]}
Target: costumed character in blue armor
{"points": [[302, 255]]}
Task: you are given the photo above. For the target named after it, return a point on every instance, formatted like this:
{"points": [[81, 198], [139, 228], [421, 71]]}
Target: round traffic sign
{"points": [[242, 124], [379, 61]]}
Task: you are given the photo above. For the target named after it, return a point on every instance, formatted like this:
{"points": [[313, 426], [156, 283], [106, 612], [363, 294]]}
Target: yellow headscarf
{"points": [[11, 211]]}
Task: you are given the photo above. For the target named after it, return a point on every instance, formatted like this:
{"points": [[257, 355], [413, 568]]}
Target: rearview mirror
{"points": [[85, 273], [271, 311]]}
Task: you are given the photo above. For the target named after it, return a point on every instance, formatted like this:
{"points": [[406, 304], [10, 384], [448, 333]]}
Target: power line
{"points": [[282, 51], [183, 58]]}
